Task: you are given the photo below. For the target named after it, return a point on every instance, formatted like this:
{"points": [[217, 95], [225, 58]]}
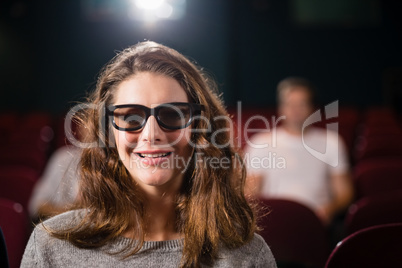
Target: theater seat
{"points": [[377, 175], [3, 251], [374, 210], [14, 223], [376, 246], [17, 184], [295, 234]]}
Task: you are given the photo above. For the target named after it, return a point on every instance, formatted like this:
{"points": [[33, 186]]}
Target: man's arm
{"points": [[342, 195]]}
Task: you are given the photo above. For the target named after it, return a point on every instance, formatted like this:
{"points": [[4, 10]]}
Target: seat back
{"points": [[374, 210], [378, 175], [14, 223], [376, 246], [294, 233], [17, 183], [3, 251]]}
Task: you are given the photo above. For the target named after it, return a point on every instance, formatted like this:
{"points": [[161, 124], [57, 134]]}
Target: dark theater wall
{"points": [[347, 60], [55, 52], [50, 53]]}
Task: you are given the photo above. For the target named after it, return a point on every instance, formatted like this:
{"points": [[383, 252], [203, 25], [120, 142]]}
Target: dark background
{"points": [[51, 51]]}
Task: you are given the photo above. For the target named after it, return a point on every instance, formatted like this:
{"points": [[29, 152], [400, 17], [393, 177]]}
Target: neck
{"points": [[160, 218]]}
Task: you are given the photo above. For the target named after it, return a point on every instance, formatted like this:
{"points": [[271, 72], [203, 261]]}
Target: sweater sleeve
{"points": [[265, 258], [31, 257]]}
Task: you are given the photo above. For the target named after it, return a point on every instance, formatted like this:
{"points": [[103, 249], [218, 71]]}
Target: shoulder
{"points": [[324, 133], [331, 138], [256, 253], [257, 244], [63, 221], [260, 139], [262, 253], [43, 248], [265, 134]]}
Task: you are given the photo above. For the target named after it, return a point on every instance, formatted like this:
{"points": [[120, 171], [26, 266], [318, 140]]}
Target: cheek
{"points": [[125, 140], [181, 140]]}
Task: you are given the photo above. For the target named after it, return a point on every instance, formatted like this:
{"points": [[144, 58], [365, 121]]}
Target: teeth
{"points": [[153, 155]]}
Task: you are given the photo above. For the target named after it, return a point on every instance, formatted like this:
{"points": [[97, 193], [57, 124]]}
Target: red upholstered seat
{"points": [[377, 246], [17, 183], [374, 210], [14, 224], [294, 234], [377, 175], [22, 156]]}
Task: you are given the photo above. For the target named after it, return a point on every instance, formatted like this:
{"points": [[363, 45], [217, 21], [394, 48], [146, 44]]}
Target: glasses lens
{"points": [[174, 116], [129, 118]]}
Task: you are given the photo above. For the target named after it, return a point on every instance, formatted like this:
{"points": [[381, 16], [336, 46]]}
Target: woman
{"points": [[149, 195]]}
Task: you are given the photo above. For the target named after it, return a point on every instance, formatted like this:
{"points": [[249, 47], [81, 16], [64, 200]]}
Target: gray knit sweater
{"points": [[44, 250]]}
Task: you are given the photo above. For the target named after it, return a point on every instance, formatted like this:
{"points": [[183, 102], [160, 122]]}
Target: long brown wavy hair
{"points": [[211, 208]]}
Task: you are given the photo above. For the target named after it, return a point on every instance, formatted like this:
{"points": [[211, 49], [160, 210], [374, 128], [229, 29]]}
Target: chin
{"points": [[154, 176]]}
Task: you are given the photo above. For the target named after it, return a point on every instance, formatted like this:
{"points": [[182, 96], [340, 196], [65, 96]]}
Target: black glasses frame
{"points": [[194, 110]]}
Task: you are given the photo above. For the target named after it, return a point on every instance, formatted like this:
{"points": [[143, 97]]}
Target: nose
{"points": [[151, 132]]}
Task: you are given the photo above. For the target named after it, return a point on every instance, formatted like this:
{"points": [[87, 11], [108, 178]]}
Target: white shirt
{"points": [[297, 167], [59, 182]]}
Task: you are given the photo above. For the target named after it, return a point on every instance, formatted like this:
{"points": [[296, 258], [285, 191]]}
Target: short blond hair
{"points": [[292, 82]]}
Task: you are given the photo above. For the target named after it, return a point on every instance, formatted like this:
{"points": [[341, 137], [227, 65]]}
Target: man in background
{"points": [[301, 177]]}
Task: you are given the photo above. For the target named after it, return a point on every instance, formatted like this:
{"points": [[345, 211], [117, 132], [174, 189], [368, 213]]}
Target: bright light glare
{"points": [[153, 10], [164, 11], [149, 4]]}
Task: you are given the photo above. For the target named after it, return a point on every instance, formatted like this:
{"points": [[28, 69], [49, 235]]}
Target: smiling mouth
{"points": [[154, 155]]}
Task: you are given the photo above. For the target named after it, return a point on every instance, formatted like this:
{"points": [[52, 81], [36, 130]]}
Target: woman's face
{"points": [[154, 156]]}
